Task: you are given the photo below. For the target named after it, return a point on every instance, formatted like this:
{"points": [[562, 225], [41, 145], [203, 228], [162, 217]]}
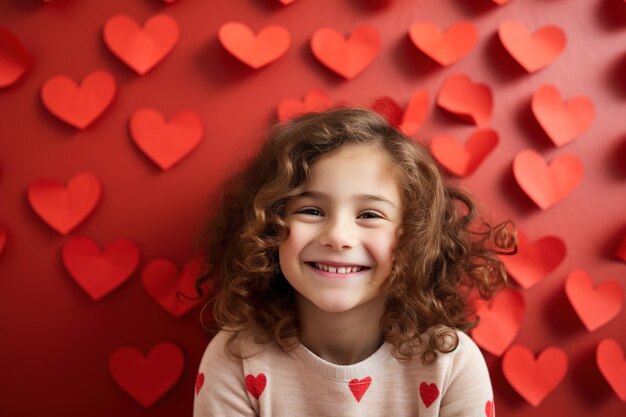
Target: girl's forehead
{"points": [[353, 168]]}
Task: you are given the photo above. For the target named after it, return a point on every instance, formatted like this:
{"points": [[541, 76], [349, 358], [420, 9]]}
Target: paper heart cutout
{"points": [[463, 160], [199, 382], [445, 47], [256, 384], [500, 321], [4, 236], [64, 208], [546, 184], [100, 272], [359, 387], [562, 122], [169, 288], [620, 252], [347, 57], [468, 100], [489, 408], [533, 52], [534, 261], [429, 393], [256, 51], [286, 2], [166, 143], [169, 1], [15, 60], [534, 379], [594, 306], [314, 101], [141, 48], [79, 106], [147, 379], [415, 113], [500, 2], [610, 360], [389, 109]]}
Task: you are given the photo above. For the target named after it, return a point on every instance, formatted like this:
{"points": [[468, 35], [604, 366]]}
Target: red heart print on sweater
{"points": [[359, 387], [256, 384], [429, 393], [489, 408], [199, 382]]}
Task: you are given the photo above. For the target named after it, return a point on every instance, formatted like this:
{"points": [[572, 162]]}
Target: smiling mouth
{"points": [[337, 270]]}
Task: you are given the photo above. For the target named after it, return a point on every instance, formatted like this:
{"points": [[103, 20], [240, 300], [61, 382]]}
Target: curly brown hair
{"points": [[444, 252]]}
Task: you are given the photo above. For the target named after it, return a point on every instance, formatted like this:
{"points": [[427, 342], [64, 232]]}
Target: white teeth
{"points": [[340, 270]]}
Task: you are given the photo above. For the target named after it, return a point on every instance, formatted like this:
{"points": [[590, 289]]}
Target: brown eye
{"points": [[370, 215], [311, 212]]}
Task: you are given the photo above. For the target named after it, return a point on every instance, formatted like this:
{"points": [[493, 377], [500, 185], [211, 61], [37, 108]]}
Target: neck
{"points": [[342, 338]]}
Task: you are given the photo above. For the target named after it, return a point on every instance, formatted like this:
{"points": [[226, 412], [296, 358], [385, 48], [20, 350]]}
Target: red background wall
{"points": [[56, 341]]}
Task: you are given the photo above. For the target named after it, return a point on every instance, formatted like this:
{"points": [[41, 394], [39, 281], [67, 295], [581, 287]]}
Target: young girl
{"points": [[343, 264]]}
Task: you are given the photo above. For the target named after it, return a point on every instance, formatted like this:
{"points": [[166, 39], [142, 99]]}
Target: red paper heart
{"points": [[594, 306], [314, 101], [347, 57], [463, 160], [15, 60], [199, 382], [444, 47], [256, 384], [610, 360], [286, 2], [254, 50], [545, 184], [79, 106], [415, 113], [167, 287], [429, 393], [534, 380], [147, 379], [141, 48], [535, 51], [562, 122], [359, 387], [63, 208], [99, 273], [468, 100], [166, 143], [620, 252], [500, 2], [389, 109], [500, 321], [489, 409], [4, 236], [533, 261]]}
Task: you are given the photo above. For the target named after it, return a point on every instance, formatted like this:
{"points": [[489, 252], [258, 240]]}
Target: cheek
{"points": [[382, 247]]}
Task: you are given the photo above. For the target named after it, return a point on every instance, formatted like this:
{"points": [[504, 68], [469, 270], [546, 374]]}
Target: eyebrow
{"points": [[376, 198]]}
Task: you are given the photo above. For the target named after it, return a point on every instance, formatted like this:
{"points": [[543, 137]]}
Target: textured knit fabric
{"points": [[299, 383]]}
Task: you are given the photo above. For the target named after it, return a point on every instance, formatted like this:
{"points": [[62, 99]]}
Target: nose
{"points": [[338, 234]]}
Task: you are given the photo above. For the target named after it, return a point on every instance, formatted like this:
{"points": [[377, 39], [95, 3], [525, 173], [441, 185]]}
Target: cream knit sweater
{"points": [[299, 384]]}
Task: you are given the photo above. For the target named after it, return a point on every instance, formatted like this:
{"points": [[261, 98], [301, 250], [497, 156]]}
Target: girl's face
{"points": [[343, 230]]}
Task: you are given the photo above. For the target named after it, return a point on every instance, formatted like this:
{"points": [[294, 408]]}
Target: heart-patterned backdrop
{"points": [[120, 118]]}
